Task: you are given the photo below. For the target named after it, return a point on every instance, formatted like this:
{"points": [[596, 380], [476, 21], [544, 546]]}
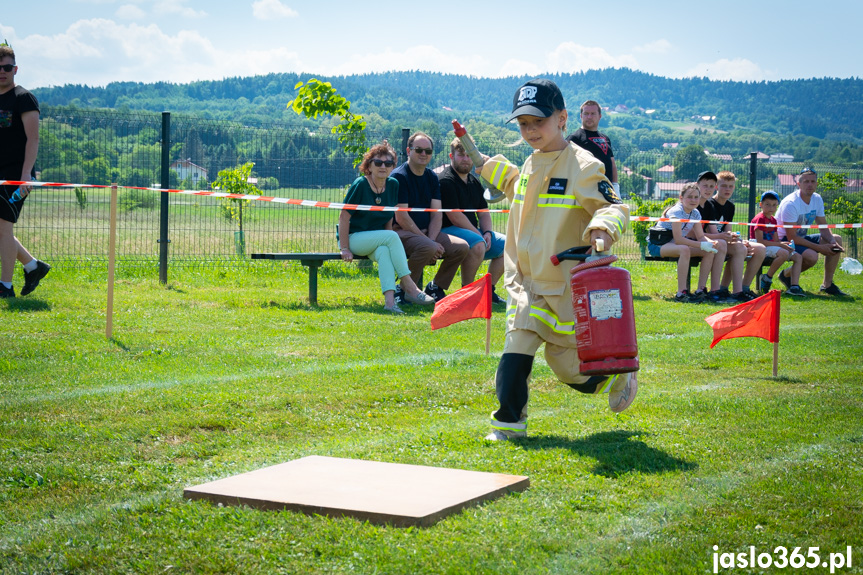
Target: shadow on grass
{"points": [[616, 452], [782, 379], [376, 308], [27, 305]]}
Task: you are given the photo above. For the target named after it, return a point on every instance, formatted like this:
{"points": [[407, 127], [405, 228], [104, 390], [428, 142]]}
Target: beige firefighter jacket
{"points": [[555, 200]]}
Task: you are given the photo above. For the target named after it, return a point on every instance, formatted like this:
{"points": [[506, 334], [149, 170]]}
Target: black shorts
{"points": [[10, 211]]}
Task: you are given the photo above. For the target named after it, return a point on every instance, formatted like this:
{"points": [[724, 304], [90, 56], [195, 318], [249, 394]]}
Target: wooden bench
{"points": [[310, 260], [696, 261]]}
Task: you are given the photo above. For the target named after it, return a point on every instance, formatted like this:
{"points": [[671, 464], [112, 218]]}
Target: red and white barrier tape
{"points": [[340, 206]]}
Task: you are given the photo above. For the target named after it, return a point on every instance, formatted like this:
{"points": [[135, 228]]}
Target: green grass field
{"points": [[225, 371]]}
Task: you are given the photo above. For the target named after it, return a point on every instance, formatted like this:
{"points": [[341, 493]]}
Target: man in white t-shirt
{"points": [[806, 207]]}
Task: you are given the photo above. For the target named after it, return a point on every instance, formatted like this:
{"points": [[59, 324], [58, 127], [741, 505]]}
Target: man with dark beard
{"points": [[460, 189]]}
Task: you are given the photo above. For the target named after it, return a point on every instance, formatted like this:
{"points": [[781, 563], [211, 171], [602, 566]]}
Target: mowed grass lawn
{"points": [[226, 371]]}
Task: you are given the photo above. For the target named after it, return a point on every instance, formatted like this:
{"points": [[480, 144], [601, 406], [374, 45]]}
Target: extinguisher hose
{"points": [[597, 263]]}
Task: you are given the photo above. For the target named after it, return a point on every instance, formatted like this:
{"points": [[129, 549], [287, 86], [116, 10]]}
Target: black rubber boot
{"points": [[513, 371]]}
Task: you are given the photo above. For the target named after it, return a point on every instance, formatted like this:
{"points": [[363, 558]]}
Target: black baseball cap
{"points": [[538, 97], [707, 175]]}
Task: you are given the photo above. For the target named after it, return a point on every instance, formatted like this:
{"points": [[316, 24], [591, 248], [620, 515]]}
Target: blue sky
{"points": [[95, 42]]}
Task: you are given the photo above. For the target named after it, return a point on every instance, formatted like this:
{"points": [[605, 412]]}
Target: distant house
{"points": [[664, 190], [758, 155], [187, 169], [621, 109], [671, 145], [784, 184], [780, 159], [665, 172]]}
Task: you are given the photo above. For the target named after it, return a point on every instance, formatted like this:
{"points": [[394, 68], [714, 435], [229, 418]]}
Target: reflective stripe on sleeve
{"points": [[614, 220], [498, 175]]}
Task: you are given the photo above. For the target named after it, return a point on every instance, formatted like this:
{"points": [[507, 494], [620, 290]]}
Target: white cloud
{"points": [[176, 7], [120, 52], [272, 9], [570, 57], [129, 12], [739, 69], [661, 46], [515, 67]]}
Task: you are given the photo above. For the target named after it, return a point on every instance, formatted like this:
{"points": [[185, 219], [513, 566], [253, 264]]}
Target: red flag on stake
{"points": [[756, 318], [473, 300]]}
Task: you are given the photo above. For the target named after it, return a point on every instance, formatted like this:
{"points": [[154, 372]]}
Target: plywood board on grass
{"points": [[382, 493]]}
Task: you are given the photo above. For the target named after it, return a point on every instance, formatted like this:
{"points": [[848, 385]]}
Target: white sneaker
{"points": [[501, 435], [622, 391]]}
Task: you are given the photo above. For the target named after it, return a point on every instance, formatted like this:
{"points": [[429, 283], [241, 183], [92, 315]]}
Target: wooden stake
{"points": [[775, 358], [112, 249]]}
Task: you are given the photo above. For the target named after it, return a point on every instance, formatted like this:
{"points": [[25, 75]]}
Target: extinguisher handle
{"points": [[576, 253]]}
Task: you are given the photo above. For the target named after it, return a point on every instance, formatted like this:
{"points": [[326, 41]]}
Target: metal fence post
{"points": [[406, 134], [753, 181], [163, 206]]}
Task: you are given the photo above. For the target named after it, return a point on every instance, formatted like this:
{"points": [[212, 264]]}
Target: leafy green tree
{"points": [[316, 98], [689, 162]]}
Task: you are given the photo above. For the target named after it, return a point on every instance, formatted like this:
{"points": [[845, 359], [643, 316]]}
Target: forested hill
{"points": [[824, 108]]}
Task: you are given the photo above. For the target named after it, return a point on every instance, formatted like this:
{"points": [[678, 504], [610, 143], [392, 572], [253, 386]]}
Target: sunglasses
{"points": [[807, 171], [423, 151], [7, 67], [387, 163]]}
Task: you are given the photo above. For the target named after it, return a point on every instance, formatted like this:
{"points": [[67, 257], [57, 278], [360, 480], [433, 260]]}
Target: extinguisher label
{"points": [[605, 304]]}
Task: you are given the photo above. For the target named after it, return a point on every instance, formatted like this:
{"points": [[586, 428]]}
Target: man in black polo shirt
{"points": [[460, 189], [589, 138], [420, 232]]}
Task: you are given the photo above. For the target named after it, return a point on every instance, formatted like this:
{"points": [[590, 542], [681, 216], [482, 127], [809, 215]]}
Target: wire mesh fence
{"points": [[70, 226]]}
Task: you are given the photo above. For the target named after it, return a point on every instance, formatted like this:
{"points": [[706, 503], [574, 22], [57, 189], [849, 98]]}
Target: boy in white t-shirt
{"points": [[806, 207]]}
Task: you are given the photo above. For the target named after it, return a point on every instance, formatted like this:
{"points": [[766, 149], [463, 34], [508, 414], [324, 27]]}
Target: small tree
{"points": [[833, 186], [316, 98], [236, 181], [81, 197]]}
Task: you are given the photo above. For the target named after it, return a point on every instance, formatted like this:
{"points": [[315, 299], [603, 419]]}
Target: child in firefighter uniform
{"points": [[560, 198]]}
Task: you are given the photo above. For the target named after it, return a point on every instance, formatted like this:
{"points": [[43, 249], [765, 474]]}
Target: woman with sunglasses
{"points": [[370, 233]]}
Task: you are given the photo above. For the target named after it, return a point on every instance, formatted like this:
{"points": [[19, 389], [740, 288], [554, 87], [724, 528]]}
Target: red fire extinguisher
{"points": [[604, 317]]}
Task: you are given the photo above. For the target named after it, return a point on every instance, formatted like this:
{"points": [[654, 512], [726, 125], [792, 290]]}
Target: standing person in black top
{"points": [[594, 141], [19, 144]]}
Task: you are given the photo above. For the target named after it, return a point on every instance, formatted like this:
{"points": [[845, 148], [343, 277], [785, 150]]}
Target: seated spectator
{"points": [[420, 232], [781, 252], [367, 233], [805, 207], [669, 240], [460, 189], [721, 208]]}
